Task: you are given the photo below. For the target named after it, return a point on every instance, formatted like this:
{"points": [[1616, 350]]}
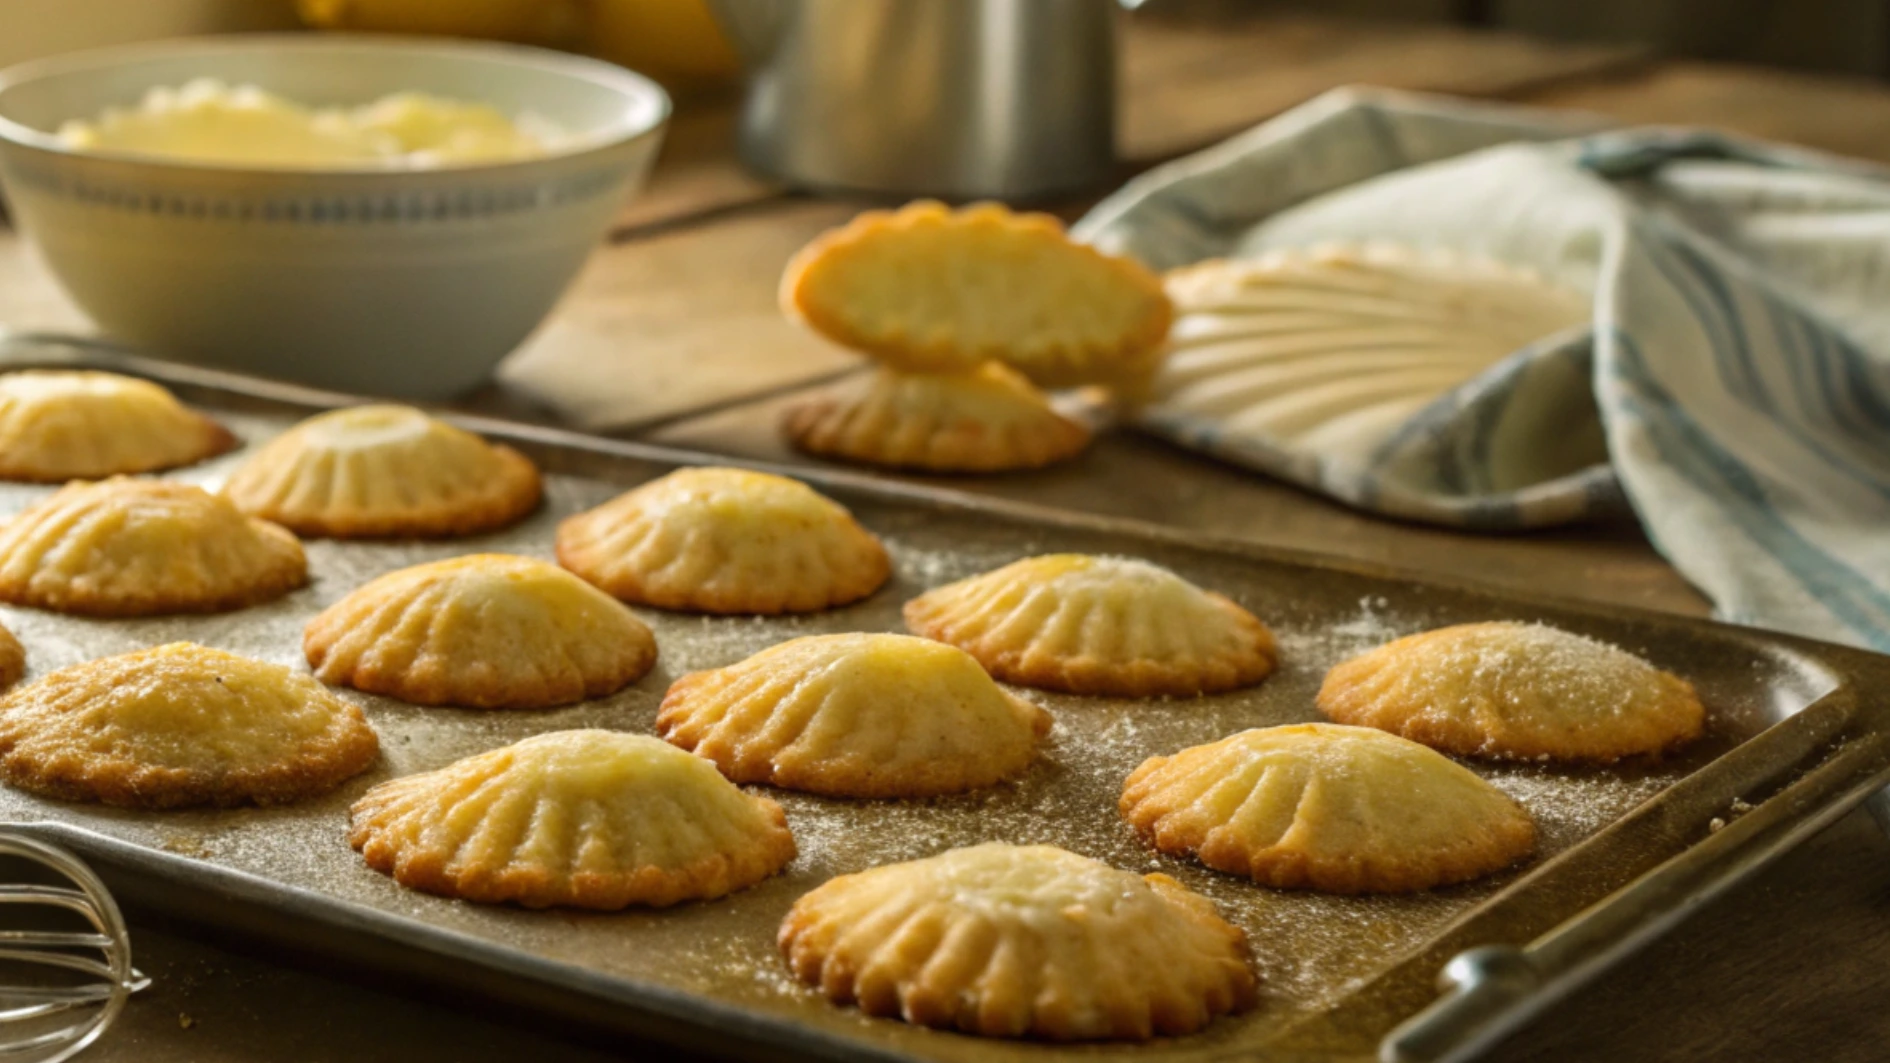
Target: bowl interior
{"points": [[601, 102]]}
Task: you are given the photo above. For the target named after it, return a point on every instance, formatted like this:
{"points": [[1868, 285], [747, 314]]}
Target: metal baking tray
{"points": [[1798, 733]]}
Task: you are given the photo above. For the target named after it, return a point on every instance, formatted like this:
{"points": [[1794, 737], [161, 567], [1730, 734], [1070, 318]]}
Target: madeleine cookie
{"points": [[486, 631], [1021, 941], [377, 472], [1512, 690], [714, 540], [584, 819], [58, 425], [929, 289], [12, 659], [1097, 625], [1324, 807], [986, 420], [855, 715], [180, 725], [144, 547]]}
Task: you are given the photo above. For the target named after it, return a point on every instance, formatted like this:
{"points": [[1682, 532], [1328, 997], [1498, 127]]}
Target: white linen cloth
{"points": [[1735, 380]]}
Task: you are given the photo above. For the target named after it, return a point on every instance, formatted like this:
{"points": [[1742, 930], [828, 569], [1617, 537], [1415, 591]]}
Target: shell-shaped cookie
{"points": [[487, 631], [124, 547], [385, 472], [1512, 690], [59, 425], [987, 420], [930, 289], [855, 715], [180, 725], [1325, 807], [1334, 348], [1021, 941], [715, 540], [1097, 625], [12, 659], [583, 819]]}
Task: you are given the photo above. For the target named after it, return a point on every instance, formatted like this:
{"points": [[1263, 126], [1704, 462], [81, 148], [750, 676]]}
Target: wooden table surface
{"points": [[672, 336]]}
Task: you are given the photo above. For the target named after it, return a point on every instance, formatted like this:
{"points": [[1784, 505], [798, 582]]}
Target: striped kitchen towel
{"points": [[1734, 377]]}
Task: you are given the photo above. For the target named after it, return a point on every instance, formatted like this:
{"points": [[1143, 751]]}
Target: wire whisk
{"points": [[91, 976]]}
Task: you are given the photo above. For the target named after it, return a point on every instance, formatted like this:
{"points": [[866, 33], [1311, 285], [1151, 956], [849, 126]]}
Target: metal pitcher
{"points": [[961, 99]]}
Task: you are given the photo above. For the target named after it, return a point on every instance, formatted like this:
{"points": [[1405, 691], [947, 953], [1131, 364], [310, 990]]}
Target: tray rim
{"points": [[662, 1012], [84, 353]]}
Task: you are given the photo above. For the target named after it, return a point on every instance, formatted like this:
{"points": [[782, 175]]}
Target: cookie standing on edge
{"points": [[855, 715], [124, 547], [929, 289], [385, 472], [487, 631], [1021, 941], [12, 659], [718, 540], [1512, 690], [59, 425], [1097, 625], [180, 725], [1324, 807], [986, 420], [584, 819]]}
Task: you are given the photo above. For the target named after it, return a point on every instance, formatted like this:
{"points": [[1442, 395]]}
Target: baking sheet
{"points": [[1311, 950]]}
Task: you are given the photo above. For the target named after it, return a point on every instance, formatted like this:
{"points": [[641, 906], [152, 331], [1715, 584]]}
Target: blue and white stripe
{"points": [[1739, 354]]}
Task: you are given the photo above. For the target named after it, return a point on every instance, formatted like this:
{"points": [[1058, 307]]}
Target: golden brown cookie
{"points": [[1324, 807], [929, 289], [715, 540], [855, 715], [1097, 625], [180, 725], [1021, 941], [12, 659], [1523, 691], [986, 420], [584, 819], [379, 472], [486, 631], [59, 425], [124, 547]]}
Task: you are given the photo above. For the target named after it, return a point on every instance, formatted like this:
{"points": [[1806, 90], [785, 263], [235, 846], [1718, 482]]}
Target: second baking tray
{"points": [[1797, 734]]}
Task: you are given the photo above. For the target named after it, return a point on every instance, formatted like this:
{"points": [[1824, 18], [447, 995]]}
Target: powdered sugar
{"points": [[1308, 947]]}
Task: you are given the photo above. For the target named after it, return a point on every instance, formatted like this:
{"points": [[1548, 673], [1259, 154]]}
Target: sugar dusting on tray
{"points": [[1309, 947]]}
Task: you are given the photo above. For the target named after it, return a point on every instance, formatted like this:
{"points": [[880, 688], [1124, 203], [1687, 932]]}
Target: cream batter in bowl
{"points": [[378, 215], [207, 121]]}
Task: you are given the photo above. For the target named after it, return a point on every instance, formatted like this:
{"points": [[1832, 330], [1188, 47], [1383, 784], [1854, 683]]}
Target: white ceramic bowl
{"points": [[410, 283]]}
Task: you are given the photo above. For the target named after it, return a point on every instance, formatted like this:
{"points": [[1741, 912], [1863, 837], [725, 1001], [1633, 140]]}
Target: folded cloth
{"points": [[1737, 369]]}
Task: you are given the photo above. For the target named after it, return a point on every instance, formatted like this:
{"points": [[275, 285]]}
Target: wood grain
{"points": [[697, 174], [678, 321], [1849, 116], [1829, 35], [1187, 85], [30, 299]]}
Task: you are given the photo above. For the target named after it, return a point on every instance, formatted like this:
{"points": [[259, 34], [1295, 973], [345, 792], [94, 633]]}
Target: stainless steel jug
{"points": [[962, 99]]}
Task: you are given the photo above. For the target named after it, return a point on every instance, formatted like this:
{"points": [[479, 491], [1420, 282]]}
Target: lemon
{"points": [[676, 41], [550, 22]]}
